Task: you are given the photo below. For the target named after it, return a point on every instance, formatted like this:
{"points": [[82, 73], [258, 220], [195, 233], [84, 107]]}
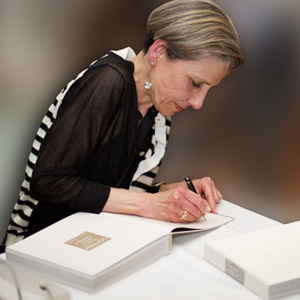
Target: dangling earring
{"points": [[148, 85]]}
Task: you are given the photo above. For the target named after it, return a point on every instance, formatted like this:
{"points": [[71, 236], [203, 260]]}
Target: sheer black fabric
{"points": [[94, 144]]}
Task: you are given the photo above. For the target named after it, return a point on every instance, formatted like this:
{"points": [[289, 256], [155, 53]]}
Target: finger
{"points": [[209, 191], [190, 202], [217, 196], [193, 210], [217, 199], [220, 196], [185, 216], [196, 204]]}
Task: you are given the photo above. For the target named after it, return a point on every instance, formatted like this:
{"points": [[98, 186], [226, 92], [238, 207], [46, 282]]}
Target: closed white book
{"points": [[265, 261], [88, 251]]}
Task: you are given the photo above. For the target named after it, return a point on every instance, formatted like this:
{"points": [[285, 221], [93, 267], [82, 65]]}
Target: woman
{"points": [[101, 142]]}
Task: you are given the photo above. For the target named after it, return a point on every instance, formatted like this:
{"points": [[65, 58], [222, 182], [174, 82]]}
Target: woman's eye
{"points": [[195, 84]]}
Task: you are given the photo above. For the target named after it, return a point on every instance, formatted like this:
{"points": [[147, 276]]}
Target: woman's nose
{"points": [[197, 100]]}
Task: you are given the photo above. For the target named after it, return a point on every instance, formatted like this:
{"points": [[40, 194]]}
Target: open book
{"points": [[88, 251]]}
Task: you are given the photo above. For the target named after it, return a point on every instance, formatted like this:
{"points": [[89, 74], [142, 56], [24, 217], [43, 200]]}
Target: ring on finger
{"points": [[184, 215]]}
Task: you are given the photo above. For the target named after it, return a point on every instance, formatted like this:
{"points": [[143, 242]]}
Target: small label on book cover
{"points": [[234, 271], [87, 240]]}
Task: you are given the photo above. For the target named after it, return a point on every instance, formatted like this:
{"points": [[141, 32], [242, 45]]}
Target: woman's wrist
{"points": [[128, 202], [170, 186]]}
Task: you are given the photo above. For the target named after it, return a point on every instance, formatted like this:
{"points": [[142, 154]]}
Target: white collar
{"points": [[126, 53]]}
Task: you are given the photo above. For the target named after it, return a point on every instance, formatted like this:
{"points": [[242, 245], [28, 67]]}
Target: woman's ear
{"points": [[156, 51]]}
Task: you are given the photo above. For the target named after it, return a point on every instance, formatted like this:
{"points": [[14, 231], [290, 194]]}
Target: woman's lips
{"points": [[179, 108]]}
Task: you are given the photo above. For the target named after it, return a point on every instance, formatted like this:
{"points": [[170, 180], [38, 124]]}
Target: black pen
{"points": [[190, 184], [191, 187]]}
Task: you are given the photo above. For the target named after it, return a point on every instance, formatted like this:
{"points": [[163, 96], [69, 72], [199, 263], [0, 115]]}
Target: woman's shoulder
{"points": [[113, 64]]}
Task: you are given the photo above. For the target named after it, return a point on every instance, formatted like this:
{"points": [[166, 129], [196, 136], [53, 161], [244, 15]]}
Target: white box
{"points": [[265, 261]]}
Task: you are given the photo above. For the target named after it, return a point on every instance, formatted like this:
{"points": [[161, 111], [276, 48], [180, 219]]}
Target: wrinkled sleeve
{"points": [[82, 122]]}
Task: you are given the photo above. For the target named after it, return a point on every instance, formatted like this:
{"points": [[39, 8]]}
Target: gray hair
{"points": [[194, 29]]}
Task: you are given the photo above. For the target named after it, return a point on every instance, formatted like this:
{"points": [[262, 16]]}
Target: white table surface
{"points": [[185, 274]]}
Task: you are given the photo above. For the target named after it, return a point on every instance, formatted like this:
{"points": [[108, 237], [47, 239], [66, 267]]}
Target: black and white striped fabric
{"points": [[142, 179], [148, 168]]}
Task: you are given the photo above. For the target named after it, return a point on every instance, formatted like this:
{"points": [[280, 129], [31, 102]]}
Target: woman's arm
{"points": [[81, 124], [169, 204]]}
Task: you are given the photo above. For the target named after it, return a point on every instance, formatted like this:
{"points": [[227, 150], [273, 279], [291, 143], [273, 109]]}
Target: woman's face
{"points": [[178, 84]]}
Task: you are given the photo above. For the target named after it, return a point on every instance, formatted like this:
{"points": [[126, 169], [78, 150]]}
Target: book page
{"points": [[209, 222]]}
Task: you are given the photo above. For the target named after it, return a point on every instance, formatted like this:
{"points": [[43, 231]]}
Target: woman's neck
{"points": [[141, 75]]}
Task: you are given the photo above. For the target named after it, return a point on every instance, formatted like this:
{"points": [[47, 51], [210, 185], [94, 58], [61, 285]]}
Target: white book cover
{"points": [[265, 261], [88, 251]]}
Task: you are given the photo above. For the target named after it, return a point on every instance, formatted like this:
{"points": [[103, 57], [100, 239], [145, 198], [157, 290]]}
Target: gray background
{"points": [[246, 137]]}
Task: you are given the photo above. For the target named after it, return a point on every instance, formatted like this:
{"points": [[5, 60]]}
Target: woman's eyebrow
{"points": [[202, 80]]}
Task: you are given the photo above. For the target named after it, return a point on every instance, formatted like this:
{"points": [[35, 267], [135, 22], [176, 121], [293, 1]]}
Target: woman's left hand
{"points": [[207, 189]]}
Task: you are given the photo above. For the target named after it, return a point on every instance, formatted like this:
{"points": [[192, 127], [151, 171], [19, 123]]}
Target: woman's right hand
{"points": [[171, 206]]}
